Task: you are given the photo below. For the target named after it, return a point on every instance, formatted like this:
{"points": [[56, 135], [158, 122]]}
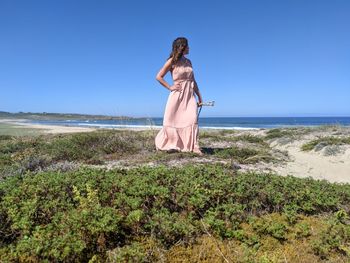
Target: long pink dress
{"points": [[180, 123]]}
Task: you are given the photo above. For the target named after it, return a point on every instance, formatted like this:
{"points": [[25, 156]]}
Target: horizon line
{"points": [[144, 117]]}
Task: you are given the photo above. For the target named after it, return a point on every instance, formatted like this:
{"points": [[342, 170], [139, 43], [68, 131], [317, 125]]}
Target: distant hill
{"points": [[50, 116]]}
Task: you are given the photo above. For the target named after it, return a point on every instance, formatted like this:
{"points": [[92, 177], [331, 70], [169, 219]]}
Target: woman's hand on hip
{"points": [[174, 87]]}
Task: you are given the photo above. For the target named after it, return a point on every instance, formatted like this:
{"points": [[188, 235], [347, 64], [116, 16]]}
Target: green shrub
{"points": [[335, 238], [292, 132], [271, 227], [82, 214], [250, 138], [243, 155], [278, 133], [4, 137]]}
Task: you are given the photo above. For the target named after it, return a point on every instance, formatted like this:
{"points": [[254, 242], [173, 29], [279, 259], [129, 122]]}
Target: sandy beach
{"points": [[318, 165], [46, 128]]}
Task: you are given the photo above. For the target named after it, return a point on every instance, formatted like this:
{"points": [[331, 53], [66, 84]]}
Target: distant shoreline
{"points": [[84, 125], [46, 128], [51, 128]]}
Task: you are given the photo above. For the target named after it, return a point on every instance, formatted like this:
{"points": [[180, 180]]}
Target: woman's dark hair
{"points": [[179, 46]]}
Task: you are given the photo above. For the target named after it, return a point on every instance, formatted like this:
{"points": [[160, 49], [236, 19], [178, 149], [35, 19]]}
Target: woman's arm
{"points": [[196, 90], [162, 73]]}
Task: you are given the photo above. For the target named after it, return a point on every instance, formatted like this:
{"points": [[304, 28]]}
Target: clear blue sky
{"points": [[254, 58]]}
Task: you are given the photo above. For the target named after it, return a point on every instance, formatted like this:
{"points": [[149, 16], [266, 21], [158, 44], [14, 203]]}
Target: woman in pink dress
{"points": [[180, 123]]}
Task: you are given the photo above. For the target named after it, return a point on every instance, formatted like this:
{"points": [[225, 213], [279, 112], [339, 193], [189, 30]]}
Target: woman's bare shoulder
{"points": [[169, 60], [170, 63]]}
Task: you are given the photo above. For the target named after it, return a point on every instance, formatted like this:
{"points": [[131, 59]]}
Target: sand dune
{"points": [[330, 162], [315, 164]]}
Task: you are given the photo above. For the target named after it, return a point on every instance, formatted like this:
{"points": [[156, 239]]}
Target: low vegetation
{"points": [[45, 151], [291, 133], [232, 137], [37, 152], [56, 207], [145, 214], [325, 141], [245, 155]]}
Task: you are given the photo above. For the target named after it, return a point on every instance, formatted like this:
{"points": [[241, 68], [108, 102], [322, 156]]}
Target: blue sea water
{"points": [[239, 123]]}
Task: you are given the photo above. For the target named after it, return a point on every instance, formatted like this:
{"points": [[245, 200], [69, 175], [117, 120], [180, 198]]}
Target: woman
{"points": [[180, 123]]}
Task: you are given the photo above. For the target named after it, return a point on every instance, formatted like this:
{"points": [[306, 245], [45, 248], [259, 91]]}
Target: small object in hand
{"points": [[200, 104], [209, 103]]}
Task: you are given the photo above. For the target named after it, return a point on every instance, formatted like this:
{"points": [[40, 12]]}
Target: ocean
{"points": [[231, 123]]}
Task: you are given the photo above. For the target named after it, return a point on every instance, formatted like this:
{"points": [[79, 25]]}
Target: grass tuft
{"points": [[325, 141]]}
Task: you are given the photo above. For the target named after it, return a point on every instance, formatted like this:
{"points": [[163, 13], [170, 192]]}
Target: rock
{"points": [[235, 166], [320, 146], [332, 150]]}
